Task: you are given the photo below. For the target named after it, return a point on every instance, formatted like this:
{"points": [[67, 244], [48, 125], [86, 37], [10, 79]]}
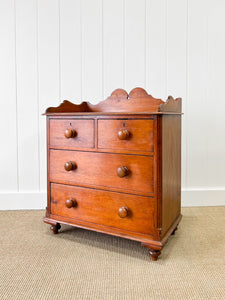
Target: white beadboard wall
{"points": [[51, 50]]}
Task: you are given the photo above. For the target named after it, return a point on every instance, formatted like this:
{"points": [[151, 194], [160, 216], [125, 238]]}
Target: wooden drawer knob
{"points": [[123, 212], [70, 133], [123, 134], [122, 171], [71, 203], [70, 165]]}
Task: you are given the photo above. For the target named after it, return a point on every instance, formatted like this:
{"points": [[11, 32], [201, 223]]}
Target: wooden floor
{"points": [[81, 264]]}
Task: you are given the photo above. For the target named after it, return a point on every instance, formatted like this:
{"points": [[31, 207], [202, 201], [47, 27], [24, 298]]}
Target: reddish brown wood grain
{"points": [[100, 170], [115, 167], [120, 101], [48, 168], [106, 207], [171, 171], [140, 136], [84, 137], [171, 105], [137, 101]]}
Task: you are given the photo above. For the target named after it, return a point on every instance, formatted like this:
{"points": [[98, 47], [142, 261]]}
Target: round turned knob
{"points": [[123, 212], [69, 133], [70, 166], [71, 203], [122, 171], [123, 134]]}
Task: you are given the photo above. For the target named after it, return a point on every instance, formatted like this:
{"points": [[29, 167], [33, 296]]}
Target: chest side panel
{"points": [[171, 170]]}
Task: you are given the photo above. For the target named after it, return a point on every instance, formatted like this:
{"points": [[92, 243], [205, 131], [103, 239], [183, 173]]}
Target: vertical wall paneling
{"points": [[156, 48], [81, 50], [176, 47], [70, 50], [176, 65], [48, 70], [27, 104], [92, 76], [113, 42], [135, 50], [8, 120], [215, 93], [197, 125]]}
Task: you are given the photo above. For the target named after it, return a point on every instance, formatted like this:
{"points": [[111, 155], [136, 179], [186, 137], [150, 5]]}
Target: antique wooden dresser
{"points": [[115, 167]]}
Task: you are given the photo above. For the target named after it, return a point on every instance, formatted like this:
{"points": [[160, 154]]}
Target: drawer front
{"points": [[101, 207], [100, 169], [130, 135], [71, 133]]}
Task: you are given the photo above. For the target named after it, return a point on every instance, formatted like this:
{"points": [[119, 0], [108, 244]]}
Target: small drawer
{"points": [[129, 212], [122, 172], [129, 135], [71, 133]]}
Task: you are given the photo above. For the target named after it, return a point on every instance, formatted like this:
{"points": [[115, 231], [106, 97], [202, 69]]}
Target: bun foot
{"points": [[154, 254], [55, 228], [174, 231]]}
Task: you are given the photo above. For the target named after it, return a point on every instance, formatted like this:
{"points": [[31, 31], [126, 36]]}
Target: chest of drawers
{"points": [[115, 167]]}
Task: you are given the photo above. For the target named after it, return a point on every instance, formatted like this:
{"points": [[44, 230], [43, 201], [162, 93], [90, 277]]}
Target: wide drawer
{"points": [[71, 133], [100, 170], [101, 207], [129, 135]]}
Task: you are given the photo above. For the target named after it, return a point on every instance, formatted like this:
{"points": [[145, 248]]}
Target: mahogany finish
{"points": [[154, 254], [171, 169], [122, 171], [102, 207], [123, 134], [123, 212], [120, 101], [103, 170], [71, 203], [70, 165], [115, 167], [55, 228], [71, 134], [129, 135]]}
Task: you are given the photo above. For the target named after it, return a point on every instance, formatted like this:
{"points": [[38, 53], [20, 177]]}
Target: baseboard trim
{"points": [[19, 200], [38, 200], [203, 197]]}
